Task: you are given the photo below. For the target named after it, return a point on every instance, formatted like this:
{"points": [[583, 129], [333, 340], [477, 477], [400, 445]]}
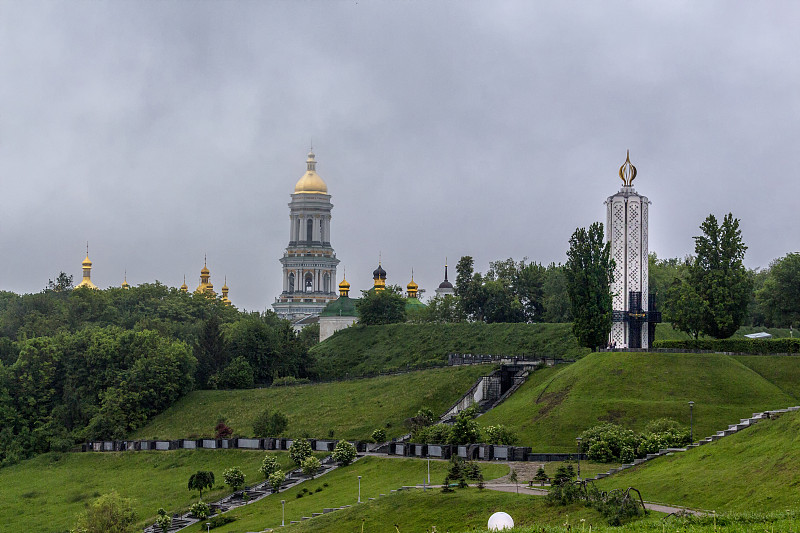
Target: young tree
{"points": [[514, 479], [234, 478], [379, 435], [299, 450], [109, 513], [590, 272], [465, 429], [163, 520], [541, 476], [270, 424], [344, 453], [276, 480], [311, 466], [269, 466], [719, 276], [201, 480], [381, 307]]}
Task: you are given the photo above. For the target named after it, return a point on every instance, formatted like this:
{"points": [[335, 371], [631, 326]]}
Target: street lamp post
{"points": [[359, 489], [429, 470], [283, 513], [578, 440], [691, 421], [208, 526]]}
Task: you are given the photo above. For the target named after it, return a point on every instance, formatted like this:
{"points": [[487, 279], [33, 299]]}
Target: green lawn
{"points": [[378, 476], [350, 409], [44, 494], [755, 469], [782, 370], [549, 411], [360, 350]]}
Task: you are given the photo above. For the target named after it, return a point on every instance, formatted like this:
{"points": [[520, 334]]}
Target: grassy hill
{"points": [[363, 350], [378, 476], [45, 494], [550, 410], [757, 468], [350, 409]]}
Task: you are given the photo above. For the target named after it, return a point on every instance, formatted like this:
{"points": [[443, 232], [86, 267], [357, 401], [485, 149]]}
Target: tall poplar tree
{"points": [[590, 271]]}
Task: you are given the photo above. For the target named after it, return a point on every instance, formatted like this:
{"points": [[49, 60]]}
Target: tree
{"points": [[465, 429], [234, 478], [270, 424], [238, 374], [555, 297], [269, 466], [163, 520], [541, 477], [299, 450], [62, 283], [719, 277], [222, 430], [109, 513], [381, 307], [590, 272], [310, 466], [379, 435], [684, 307], [210, 350], [276, 480], [514, 479], [780, 294], [468, 288], [344, 453], [201, 480]]}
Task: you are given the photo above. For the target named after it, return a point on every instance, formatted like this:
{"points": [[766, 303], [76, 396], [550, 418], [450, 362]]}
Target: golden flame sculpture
{"points": [[627, 172]]}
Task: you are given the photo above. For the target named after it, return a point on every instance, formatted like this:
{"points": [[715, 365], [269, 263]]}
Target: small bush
{"points": [[270, 424], [344, 453], [299, 450], [754, 346], [289, 380], [222, 430], [200, 510], [234, 478], [311, 466], [379, 435], [221, 519], [269, 465], [499, 434]]}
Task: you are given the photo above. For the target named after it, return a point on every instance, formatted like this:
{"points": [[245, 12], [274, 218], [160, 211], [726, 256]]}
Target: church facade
{"points": [[309, 262]]}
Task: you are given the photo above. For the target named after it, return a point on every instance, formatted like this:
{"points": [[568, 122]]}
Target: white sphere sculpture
{"points": [[500, 521]]}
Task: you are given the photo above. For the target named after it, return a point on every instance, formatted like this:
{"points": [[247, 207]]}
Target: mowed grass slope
{"points": [[351, 409], [46, 493], [378, 476], [756, 469], [362, 350], [633, 388]]}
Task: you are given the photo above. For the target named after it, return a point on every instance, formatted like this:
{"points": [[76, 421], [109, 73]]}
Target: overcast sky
{"points": [[163, 131]]}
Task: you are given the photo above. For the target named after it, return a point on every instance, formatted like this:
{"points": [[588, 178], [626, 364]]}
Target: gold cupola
{"points": [[86, 265], [125, 284], [225, 290], [311, 183], [184, 287], [205, 287], [344, 287], [412, 287]]}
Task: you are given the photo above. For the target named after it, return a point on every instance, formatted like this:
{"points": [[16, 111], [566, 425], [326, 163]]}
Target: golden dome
{"points": [[412, 285], [344, 284], [311, 183], [87, 262], [205, 270]]}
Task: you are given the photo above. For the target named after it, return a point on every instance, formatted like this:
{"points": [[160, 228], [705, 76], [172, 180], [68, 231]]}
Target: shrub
{"points": [[108, 513], [499, 435], [541, 476], [437, 434], [379, 435], [269, 465], [755, 346], [276, 480], [465, 430], [311, 466], [220, 520], [344, 453], [270, 424], [604, 443], [299, 450], [234, 478], [200, 510], [222, 430], [289, 380], [163, 520], [564, 494]]}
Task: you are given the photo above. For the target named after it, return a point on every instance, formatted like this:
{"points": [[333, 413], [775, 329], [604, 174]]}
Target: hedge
{"points": [[754, 346]]}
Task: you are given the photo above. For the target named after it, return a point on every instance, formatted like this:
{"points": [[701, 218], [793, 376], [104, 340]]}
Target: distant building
{"points": [[205, 287], [445, 287], [412, 296], [338, 314], [309, 262]]}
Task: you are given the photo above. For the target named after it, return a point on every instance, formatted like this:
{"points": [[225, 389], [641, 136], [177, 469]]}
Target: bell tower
{"points": [[309, 262]]}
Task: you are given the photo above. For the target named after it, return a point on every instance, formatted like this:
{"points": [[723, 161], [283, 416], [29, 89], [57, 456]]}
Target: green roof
{"points": [[342, 306], [414, 303]]}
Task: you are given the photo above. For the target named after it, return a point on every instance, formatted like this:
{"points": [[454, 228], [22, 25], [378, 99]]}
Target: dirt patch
{"points": [[549, 402], [525, 472], [614, 416]]}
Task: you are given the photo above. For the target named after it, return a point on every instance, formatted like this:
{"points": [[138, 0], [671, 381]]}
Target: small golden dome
{"points": [[344, 284], [205, 270], [412, 286], [87, 262], [311, 183]]}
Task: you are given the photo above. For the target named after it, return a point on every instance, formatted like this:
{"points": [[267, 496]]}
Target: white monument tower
{"points": [[309, 263], [634, 314]]}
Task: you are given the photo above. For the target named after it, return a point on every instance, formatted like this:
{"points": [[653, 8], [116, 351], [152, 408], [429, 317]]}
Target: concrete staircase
{"points": [[733, 428]]}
